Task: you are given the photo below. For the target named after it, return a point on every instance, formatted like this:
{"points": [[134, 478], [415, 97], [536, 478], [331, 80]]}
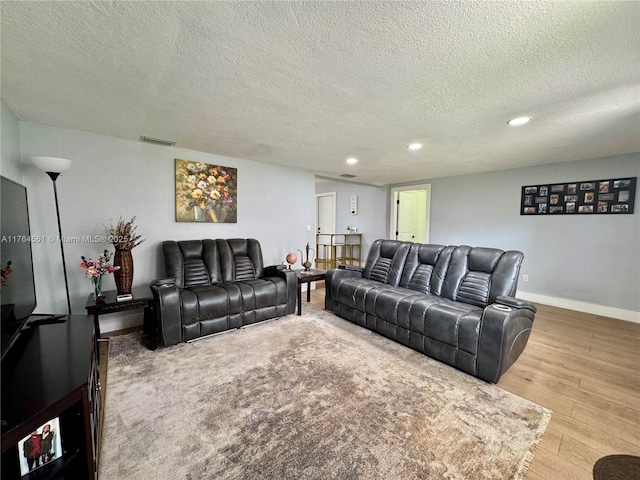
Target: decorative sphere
{"points": [[292, 258]]}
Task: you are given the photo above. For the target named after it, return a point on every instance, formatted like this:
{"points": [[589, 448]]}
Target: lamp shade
{"points": [[51, 164]]}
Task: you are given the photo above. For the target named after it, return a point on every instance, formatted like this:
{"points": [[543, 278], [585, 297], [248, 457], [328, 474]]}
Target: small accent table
{"points": [[312, 275], [142, 298]]}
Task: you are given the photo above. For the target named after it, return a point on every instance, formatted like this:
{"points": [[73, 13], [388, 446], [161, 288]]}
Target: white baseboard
{"points": [[601, 310]]}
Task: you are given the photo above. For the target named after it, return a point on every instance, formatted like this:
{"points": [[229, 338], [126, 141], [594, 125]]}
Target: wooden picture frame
{"points": [[206, 193]]}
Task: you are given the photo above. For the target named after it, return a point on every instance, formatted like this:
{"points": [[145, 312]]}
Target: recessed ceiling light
{"points": [[518, 121], [352, 160], [414, 146]]}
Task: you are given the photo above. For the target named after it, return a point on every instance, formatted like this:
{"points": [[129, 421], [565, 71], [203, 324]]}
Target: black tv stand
{"points": [[55, 375], [47, 319]]}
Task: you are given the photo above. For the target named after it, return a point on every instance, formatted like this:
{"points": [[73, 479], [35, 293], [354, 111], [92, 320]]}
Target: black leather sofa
{"points": [[454, 304], [217, 285]]}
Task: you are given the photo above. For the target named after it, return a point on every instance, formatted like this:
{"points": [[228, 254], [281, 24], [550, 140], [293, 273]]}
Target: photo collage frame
{"points": [[608, 196]]}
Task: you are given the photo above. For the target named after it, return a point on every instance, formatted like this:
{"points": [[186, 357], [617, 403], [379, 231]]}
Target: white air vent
{"points": [[157, 141]]}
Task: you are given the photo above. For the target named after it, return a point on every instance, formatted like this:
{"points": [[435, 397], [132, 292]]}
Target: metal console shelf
{"points": [[333, 249]]}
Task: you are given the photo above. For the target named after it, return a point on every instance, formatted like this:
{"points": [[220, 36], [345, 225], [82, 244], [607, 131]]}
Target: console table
{"points": [[333, 249], [54, 375]]}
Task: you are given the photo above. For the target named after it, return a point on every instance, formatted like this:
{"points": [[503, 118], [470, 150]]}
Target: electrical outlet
{"points": [[308, 228], [525, 278]]}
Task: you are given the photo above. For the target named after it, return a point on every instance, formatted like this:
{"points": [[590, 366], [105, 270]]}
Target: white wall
{"points": [[111, 177], [371, 219], [10, 161], [583, 262]]}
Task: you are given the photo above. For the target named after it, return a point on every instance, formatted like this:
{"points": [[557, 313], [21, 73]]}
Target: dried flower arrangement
{"points": [[123, 235]]}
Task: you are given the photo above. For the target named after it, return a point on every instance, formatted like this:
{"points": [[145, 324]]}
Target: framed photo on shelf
{"points": [[608, 196], [40, 447]]}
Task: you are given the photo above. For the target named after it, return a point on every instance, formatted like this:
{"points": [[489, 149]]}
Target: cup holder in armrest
{"points": [[502, 308]]}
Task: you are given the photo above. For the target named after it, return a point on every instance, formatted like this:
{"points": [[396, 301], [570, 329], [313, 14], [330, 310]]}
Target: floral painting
{"points": [[206, 193]]}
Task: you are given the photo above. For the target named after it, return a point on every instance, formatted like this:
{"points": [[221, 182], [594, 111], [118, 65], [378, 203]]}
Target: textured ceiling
{"points": [[308, 84]]}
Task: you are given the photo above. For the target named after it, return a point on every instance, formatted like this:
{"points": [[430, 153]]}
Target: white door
{"points": [[325, 223], [410, 214], [326, 212]]}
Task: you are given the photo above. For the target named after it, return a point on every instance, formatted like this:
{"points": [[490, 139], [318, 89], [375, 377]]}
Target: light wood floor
{"points": [[583, 367]]}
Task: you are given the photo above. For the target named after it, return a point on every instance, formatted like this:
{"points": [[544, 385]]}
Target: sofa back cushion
{"points": [[192, 262], [425, 267], [240, 259], [478, 275], [385, 261]]}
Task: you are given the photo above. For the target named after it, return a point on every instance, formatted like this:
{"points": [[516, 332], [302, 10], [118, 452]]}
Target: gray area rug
{"points": [[310, 397]]}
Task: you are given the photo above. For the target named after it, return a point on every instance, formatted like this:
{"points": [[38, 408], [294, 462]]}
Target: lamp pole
{"points": [[54, 177], [53, 166]]}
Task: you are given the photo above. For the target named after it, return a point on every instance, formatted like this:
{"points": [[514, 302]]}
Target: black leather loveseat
{"points": [[454, 304], [217, 285]]}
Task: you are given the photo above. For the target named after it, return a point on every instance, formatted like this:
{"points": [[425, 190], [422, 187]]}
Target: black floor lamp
{"points": [[54, 166]]}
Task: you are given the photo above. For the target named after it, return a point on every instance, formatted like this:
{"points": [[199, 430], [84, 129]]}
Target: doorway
{"points": [[326, 212], [410, 213], [325, 222]]}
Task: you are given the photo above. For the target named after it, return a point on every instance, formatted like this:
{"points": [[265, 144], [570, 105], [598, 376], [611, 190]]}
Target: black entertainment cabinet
{"points": [[54, 374]]}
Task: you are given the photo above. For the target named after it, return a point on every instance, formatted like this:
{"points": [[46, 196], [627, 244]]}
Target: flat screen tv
{"points": [[18, 292]]}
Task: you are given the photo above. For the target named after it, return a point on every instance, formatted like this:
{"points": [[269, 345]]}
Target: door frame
{"points": [[393, 221]]}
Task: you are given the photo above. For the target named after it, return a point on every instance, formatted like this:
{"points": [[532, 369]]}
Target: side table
{"points": [[313, 275], [142, 298]]}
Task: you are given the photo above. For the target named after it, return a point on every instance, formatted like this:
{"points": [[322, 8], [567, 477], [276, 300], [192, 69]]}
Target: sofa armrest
{"points": [[516, 303], [504, 330], [333, 278], [336, 275], [291, 281], [166, 297], [275, 267], [163, 282], [354, 268]]}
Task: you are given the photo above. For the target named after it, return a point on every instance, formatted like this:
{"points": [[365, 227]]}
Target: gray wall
{"points": [[592, 258], [111, 177], [586, 258], [10, 160], [373, 209]]}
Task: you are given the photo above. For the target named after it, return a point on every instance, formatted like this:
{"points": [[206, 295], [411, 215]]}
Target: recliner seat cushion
{"points": [[453, 323], [261, 292], [346, 290], [383, 302]]}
